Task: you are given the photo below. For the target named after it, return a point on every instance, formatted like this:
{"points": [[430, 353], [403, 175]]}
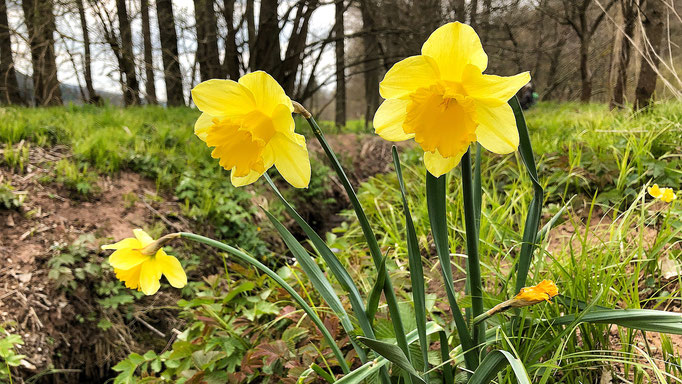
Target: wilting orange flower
{"points": [[536, 294]]}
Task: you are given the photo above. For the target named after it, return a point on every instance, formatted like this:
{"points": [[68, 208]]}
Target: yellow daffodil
{"points": [[666, 195], [443, 100], [536, 294], [544, 291], [139, 262], [249, 123]]}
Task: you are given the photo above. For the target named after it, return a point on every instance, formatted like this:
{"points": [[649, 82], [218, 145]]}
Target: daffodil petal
{"points": [[266, 91], [389, 118], [172, 269], [150, 273], [127, 258], [143, 237], [496, 129], [291, 159], [130, 243], [490, 89], [223, 98], [240, 181], [204, 122], [131, 277], [453, 46], [282, 119], [438, 165], [408, 75], [655, 191]]}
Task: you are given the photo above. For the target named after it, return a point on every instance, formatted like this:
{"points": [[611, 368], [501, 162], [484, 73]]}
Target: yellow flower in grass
{"points": [[443, 100], [139, 262], [536, 294], [250, 125], [666, 195]]}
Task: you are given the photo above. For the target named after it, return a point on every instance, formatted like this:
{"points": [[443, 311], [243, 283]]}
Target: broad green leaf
{"points": [[394, 354], [496, 361], [642, 319], [375, 293]]}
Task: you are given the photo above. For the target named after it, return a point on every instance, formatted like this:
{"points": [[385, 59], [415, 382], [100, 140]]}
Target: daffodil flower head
{"points": [[140, 261], [249, 123], [667, 195], [544, 291], [443, 101]]}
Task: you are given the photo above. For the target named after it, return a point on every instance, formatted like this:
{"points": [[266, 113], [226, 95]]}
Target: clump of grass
{"points": [[9, 198]]}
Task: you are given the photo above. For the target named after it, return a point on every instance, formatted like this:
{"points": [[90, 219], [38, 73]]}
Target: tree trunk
{"points": [[207, 40], [585, 75], [648, 72], [8, 76], [485, 16], [267, 49], [149, 85], [231, 59], [372, 62], [87, 58], [41, 26], [131, 89], [473, 13], [169, 53], [339, 33], [251, 32], [460, 10]]}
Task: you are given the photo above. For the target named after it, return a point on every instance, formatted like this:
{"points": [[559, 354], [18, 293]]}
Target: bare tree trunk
{"points": [[648, 73], [87, 58], [623, 56], [473, 13], [485, 16], [585, 74], [207, 40], [131, 89], [267, 49], [8, 76], [41, 26], [460, 10], [251, 32], [169, 53], [339, 32], [231, 59], [149, 85], [372, 62]]}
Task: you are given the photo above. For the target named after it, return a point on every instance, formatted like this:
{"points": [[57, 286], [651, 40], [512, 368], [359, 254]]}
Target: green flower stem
{"points": [[308, 310], [474, 266], [374, 249]]}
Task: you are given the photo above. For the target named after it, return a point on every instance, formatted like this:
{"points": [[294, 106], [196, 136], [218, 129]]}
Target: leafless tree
{"points": [[131, 90], [653, 35], [339, 35], [169, 53], [150, 85], [41, 26], [8, 76]]}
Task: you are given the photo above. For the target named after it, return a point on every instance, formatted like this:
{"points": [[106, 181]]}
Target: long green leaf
{"points": [[375, 293], [319, 280], [448, 376], [474, 264], [394, 354], [416, 268], [366, 370], [530, 229], [435, 199], [337, 269], [335, 266], [496, 361], [374, 249], [299, 300], [642, 319]]}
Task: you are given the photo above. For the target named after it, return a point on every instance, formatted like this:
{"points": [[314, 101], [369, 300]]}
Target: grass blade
{"points": [[374, 249], [299, 300], [435, 199], [416, 268], [394, 354], [531, 227], [318, 279], [496, 361], [642, 319]]}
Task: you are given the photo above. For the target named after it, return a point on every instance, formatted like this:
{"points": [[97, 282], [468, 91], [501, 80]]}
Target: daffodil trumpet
{"points": [[544, 291]]}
